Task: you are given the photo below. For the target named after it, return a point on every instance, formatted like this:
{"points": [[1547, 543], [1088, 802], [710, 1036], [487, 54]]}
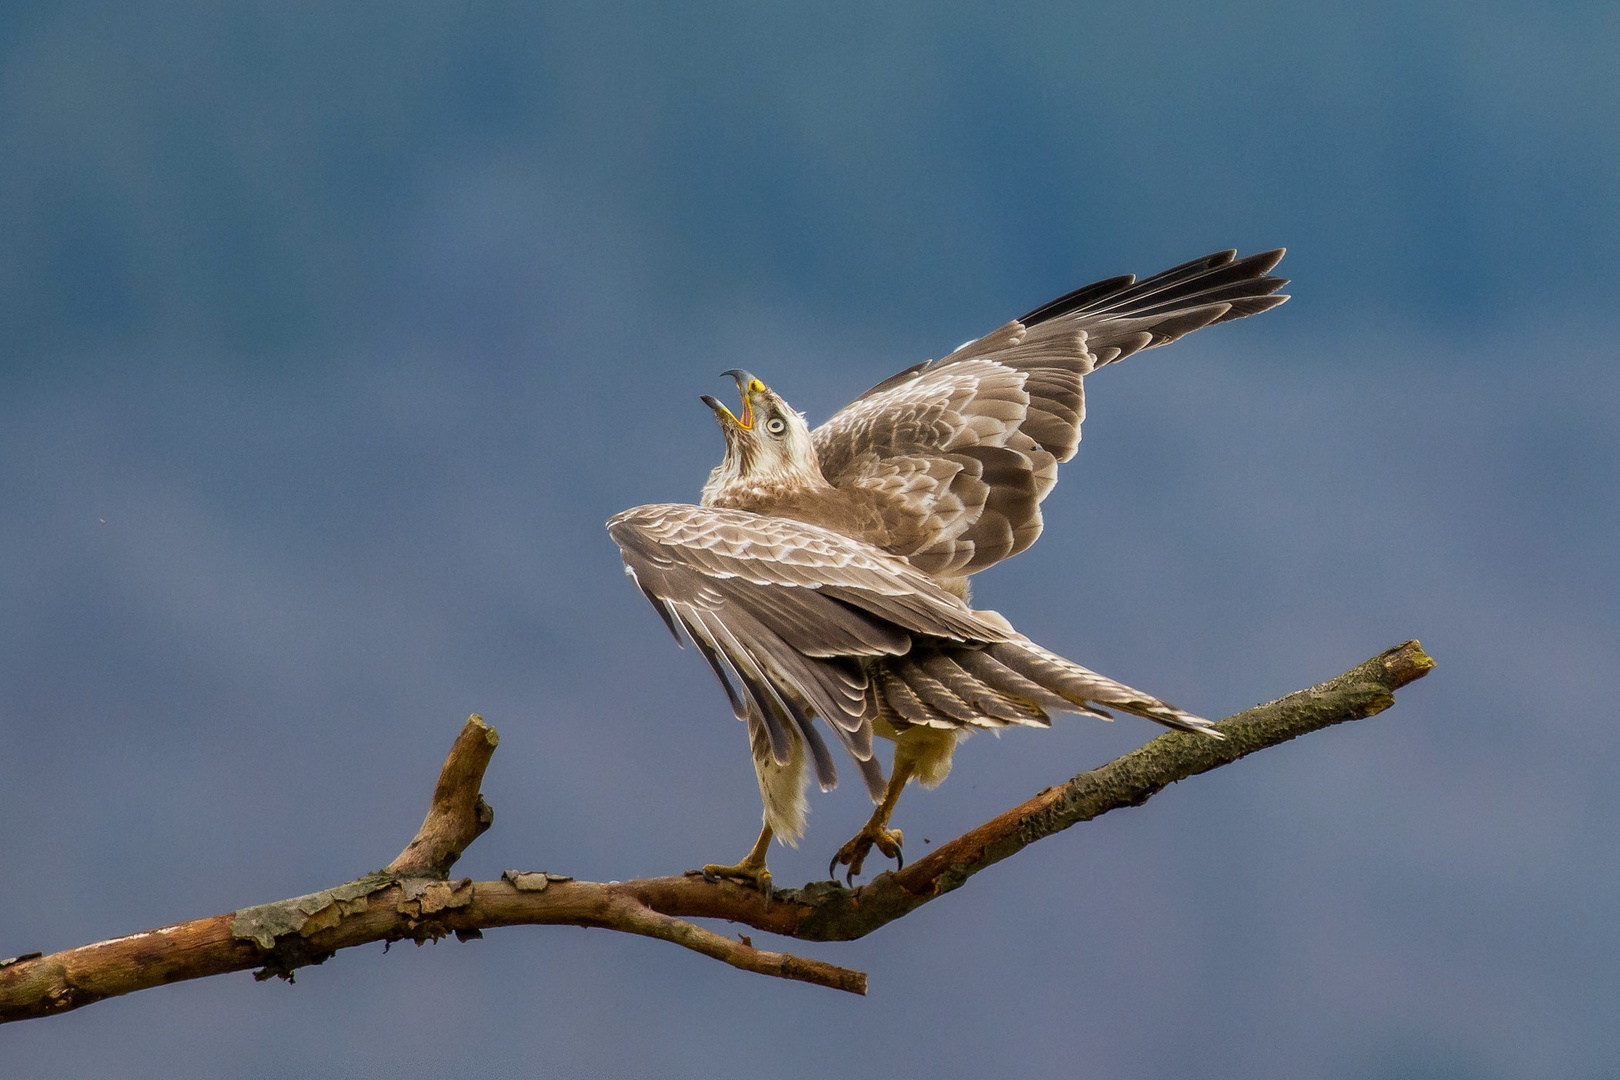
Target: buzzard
{"points": [[824, 572]]}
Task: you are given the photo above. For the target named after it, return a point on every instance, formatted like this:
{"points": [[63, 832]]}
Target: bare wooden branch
{"points": [[458, 814], [825, 911], [413, 899]]}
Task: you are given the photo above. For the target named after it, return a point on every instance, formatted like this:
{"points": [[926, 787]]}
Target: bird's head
{"points": [[766, 440]]}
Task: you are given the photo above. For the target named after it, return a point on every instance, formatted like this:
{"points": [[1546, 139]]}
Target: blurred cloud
{"points": [[329, 336]]}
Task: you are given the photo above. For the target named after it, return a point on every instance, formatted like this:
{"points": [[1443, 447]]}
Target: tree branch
{"points": [[413, 898], [458, 814]]}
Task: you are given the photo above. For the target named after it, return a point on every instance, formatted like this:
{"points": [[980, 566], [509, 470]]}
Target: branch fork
{"points": [[414, 898]]}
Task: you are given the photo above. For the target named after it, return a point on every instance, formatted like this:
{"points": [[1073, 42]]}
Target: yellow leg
{"points": [[876, 831], [751, 871]]}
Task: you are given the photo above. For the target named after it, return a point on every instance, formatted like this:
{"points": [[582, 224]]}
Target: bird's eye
{"points": [[776, 425]]}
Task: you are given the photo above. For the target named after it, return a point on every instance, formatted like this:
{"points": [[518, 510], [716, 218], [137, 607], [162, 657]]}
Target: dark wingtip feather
{"points": [[663, 613], [1125, 294], [1269, 258], [1079, 298], [1254, 305]]}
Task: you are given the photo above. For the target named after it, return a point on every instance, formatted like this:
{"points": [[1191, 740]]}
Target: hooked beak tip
{"points": [[720, 411], [746, 385]]}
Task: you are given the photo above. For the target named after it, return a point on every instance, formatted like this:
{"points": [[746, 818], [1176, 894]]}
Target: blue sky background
{"points": [[330, 335]]}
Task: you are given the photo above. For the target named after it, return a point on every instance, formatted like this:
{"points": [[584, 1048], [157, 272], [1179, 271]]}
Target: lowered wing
{"points": [[785, 613]]}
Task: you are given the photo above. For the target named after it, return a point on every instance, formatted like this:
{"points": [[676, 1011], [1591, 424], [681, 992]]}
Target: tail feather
{"points": [[1086, 688], [1009, 682]]}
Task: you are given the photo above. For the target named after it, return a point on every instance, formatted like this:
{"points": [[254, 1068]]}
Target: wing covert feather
{"points": [[784, 611]]}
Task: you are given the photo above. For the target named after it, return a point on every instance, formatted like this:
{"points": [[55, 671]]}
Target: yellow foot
{"points": [[854, 853], [746, 872]]}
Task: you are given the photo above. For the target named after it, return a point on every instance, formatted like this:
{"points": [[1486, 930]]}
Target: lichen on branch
{"points": [[413, 897]]}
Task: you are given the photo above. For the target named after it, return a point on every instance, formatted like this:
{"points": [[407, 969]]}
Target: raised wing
{"points": [[965, 448], [784, 612]]}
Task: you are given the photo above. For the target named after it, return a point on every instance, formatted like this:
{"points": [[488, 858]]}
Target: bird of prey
{"points": [[824, 573]]}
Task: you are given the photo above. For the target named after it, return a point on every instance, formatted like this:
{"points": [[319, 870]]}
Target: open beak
{"points": [[747, 386]]}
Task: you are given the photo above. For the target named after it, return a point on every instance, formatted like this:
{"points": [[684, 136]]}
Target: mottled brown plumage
{"points": [[824, 573]]}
